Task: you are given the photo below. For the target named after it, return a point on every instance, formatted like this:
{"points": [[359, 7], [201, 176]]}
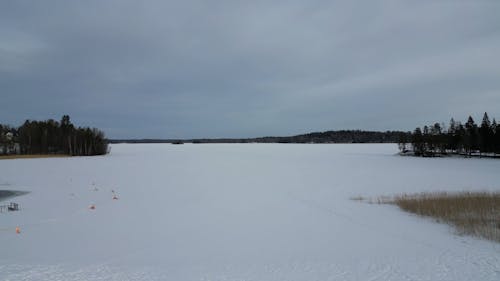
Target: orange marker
{"points": [[18, 230]]}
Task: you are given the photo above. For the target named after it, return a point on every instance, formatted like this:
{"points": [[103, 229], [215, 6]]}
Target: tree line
{"points": [[52, 137], [466, 139], [342, 136]]}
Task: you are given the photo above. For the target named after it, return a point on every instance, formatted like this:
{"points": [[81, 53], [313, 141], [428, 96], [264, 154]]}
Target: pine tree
{"points": [[471, 138], [485, 135], [402, 142], [417, 142], [496, 136]]}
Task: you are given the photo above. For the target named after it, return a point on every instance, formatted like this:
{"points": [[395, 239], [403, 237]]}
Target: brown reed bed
{"points": [[473, 213], [32, 156]]}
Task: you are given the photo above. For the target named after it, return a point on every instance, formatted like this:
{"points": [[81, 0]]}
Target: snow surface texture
{"points": [[238, 212]]}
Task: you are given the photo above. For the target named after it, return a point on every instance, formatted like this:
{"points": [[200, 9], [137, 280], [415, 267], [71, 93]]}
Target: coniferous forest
{"points": [[465, 139], [52, 137]]}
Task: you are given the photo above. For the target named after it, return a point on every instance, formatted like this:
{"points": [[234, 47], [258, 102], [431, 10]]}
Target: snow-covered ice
{"points": [[238, 212]]}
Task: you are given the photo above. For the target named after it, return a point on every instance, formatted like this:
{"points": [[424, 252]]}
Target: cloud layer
{"points": [[167, 69]]}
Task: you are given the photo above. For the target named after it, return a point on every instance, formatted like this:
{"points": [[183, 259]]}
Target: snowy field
{"points": [[238, 212]]}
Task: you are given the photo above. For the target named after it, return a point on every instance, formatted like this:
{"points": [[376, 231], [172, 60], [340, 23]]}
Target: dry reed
{"points": [[475, 213], [32, 156]]}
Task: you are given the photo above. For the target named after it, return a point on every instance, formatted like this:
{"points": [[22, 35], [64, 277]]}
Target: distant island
{"points": [[51, 138], [342, 136], [467, 139]]}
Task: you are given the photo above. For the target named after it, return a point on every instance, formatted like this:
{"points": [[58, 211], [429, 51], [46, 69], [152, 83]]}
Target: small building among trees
{"points": [[52, 137]]}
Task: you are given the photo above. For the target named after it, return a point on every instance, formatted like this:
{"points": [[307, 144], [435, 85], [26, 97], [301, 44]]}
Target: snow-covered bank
{"points": [[239, 212]]}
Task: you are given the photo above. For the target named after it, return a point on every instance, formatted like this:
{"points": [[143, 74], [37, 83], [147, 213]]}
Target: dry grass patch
{"points": [[30, 156], [476, 213]]}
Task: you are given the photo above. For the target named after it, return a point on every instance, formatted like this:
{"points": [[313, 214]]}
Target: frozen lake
{"points": [[238, 212]]}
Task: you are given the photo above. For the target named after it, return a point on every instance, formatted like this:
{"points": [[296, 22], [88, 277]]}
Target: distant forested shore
{"points": [[467, 139], [343, 136], [52, 138]]}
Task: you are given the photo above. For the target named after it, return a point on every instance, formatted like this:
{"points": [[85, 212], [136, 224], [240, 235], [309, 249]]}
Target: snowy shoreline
{"points": [[451, 155]]}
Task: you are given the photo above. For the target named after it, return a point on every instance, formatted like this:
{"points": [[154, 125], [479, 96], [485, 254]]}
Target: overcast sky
{"points": [[188, 69]]}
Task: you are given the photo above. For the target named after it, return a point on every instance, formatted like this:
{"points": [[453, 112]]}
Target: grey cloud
{"points": [[235, 69]]}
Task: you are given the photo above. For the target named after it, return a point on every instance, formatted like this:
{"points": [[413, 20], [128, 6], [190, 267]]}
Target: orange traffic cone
{"points": [[18, 230]]}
